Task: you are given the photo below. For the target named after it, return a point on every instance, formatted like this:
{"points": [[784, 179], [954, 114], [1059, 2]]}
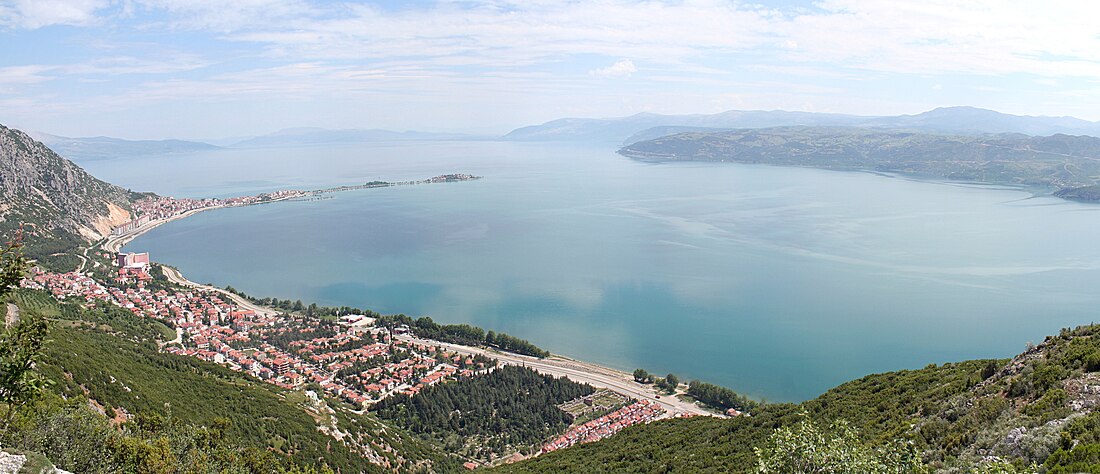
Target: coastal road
{"points": [[577, 371], [114, 243], [175, 277]]}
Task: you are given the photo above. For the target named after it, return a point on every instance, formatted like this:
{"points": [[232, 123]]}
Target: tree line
{"points": [[464, 334]]}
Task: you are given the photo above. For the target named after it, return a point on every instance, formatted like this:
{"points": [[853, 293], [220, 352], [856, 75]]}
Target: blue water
{"points": [[777, 282]]}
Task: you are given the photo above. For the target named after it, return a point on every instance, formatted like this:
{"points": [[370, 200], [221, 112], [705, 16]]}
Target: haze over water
{"points": [[777, 282]]}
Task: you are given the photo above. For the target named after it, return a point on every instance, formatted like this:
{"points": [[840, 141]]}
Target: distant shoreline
{"points": [[114, 243]]}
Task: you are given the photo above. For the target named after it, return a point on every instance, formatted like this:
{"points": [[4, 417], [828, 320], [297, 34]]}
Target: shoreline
{"points": [[556, 365], [114, 243]]}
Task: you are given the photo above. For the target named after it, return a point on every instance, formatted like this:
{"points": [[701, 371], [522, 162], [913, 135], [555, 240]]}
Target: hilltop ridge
{"points": [[61, 204], [957, 120], [1059, 161]]}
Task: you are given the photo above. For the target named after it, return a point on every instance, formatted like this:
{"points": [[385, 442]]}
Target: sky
{"points": [[233, 68]]}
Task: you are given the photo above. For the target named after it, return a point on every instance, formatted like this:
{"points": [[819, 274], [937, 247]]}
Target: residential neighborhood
{"points": [[358, 364]]}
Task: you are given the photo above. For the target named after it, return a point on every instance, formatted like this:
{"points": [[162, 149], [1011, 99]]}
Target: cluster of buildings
{"points": [[161, 207], [358, 363], [643, 411], [67, 285], [132, 267], [149, 209], [446, 178], [349, 358]]}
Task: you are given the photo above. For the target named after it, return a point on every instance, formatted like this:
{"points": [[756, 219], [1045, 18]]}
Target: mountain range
{"points": [[98, 148], [951, 120], [1062, 162]]}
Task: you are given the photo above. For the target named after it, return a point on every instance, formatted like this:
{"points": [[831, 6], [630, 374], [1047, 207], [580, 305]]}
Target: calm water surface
{"points": [[777, 282]]}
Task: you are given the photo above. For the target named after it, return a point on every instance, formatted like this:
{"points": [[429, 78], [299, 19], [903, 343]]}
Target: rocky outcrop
{"points": [[53, 197]]}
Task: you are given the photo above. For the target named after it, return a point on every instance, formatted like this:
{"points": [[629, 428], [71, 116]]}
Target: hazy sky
{"points": [[208, 69]]}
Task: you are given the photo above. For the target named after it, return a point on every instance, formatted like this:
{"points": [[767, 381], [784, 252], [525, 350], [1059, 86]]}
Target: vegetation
{"points": [[78, 439], [178, 414], [669, 383], [878, 408], [511, 408], [56, 203], [20, 341], [298, 306], [720, 398], [804, 448], [1033, 413], [1058, 161], [464, 334]]}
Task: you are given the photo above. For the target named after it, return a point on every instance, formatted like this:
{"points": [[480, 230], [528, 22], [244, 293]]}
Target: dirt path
{"points": [[12, 317]]}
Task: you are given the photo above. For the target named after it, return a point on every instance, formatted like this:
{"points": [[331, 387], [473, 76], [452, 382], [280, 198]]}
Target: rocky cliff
{"points": [[58, 203]]}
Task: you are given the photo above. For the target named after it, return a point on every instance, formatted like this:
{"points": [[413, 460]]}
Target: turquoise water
{"points": [[777, 282]]}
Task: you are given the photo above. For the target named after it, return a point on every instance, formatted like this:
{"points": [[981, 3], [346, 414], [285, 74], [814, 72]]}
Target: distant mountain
{"points": [[98, 148], [1058, 161], [60, 203], [950, 120], [971, 120], [306, 136], [620, 130]]}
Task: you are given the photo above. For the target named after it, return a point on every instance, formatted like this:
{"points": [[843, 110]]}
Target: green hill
{"points": [[109, 357], [1057, 161], [1036, 410]]}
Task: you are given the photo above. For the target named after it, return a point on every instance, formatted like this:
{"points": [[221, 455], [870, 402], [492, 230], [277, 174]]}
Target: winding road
{"points": [[175, 277]]}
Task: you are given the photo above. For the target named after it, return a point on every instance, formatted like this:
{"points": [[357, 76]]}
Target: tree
{"points": [[671, 382], [20, 343], [641, 376], [13, 265], [804, 448]]}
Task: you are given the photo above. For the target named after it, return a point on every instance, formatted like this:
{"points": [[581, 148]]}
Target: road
{"points": [[175, 277], [83, 259], [577, 371], [114, 243]]}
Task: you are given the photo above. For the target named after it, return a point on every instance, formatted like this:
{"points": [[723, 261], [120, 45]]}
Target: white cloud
{"points": [[854, 56], [622, 68], [31, 14], [20, 75]]}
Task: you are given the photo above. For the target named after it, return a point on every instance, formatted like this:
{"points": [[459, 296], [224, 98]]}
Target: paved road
{"points": [[175, 277], [579, 372]]}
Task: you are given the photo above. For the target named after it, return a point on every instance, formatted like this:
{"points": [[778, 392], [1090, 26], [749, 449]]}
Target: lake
{"points": [[777, 282]]}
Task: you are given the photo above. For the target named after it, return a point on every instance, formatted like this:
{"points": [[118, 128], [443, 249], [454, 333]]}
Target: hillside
{"points": [[1037, 409], [1057, 161], [108, 357], [944, 120], [60, 204]]}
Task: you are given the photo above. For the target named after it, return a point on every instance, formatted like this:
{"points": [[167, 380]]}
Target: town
{"points": [[349, 358], [153, 208]]}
